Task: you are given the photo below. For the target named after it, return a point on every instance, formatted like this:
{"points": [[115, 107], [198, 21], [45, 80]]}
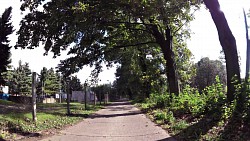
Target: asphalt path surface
{"points": [[120, 121]]}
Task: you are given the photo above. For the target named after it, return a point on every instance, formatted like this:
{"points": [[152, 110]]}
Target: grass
{"points": [[5, 102], [218, 123], [19, 122]]}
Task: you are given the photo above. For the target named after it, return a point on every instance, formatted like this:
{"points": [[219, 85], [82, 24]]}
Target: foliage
{"points": [[22, 79], [93, 37], [158, 100], [172, 110], [141, 72], [49, 82], [75, 84], [100, 90], [8, 77], [6, 29], [19, 79], [184, 66], [200, 116], [189, 101], [215, 95], [206, 71]]}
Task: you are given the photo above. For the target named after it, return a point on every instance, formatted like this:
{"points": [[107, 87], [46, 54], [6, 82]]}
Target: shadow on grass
{"points": [[15, 128], [238, 127], [195, 131]]}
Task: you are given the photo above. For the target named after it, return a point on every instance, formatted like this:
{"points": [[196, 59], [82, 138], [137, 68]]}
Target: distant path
{"points": [[119, 121]]}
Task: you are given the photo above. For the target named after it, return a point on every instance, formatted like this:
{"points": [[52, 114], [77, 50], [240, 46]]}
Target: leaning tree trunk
{"points": [[228, 44], [248, 48], [244, 91]]}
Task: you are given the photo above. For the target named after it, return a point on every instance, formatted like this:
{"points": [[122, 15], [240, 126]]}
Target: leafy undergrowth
{"points": [[15, 123], [193, 116]]}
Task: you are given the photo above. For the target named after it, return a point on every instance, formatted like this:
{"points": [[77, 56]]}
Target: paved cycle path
{"points": [[120, 121]]}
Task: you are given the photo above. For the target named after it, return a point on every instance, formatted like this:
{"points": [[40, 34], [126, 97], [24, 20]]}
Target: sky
{"points": [[204, 40]]}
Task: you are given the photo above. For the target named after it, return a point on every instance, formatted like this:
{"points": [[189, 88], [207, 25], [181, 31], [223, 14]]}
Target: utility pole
{"points": [[85, 95], [100, 97], [34, 97], [68, 95], [60, 87], [94, 98]]}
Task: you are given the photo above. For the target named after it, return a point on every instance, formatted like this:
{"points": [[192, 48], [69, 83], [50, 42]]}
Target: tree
{"points": [[22, 79], [49, 82], [96, 35], [141, 72], [100, 90], [8, 77], [248, 48], [75, 84], [6, 29], [206, 72], [229, 47], [41, 81]]}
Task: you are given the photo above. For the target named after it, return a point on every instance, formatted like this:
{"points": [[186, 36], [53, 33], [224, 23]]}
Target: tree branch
{"points": [[174, 33], [131, 45], [134, 23]]}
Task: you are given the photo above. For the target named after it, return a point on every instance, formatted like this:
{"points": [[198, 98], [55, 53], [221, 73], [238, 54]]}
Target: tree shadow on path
{"points": [[114, 115], [121, 103], [168, 139]]}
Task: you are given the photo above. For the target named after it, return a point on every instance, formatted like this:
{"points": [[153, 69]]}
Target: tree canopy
{"points": [[94, 30], [206, 72], [6, 29]]}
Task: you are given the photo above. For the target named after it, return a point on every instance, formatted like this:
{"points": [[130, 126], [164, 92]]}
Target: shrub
{"points": [[164, 116], [214, 95], [158, 100], [189, 101]]}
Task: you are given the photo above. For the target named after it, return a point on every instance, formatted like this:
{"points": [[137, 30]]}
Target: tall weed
{"points": [[188, 101], [214, 95]]}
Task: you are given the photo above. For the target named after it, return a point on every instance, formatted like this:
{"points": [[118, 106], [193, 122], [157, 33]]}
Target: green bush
{"points": [[214, 95], [191, 108], [158, 100], [164, 116], [188, 101], [180, 125]]}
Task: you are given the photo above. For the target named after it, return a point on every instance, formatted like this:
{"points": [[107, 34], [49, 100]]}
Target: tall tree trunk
{"points": [[244, 91], [248, 48], [228, 44], [170, 63], [166, 47]]}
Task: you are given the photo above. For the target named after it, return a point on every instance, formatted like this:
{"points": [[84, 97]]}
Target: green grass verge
{"points": [[5, 102], [48, 116]]}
